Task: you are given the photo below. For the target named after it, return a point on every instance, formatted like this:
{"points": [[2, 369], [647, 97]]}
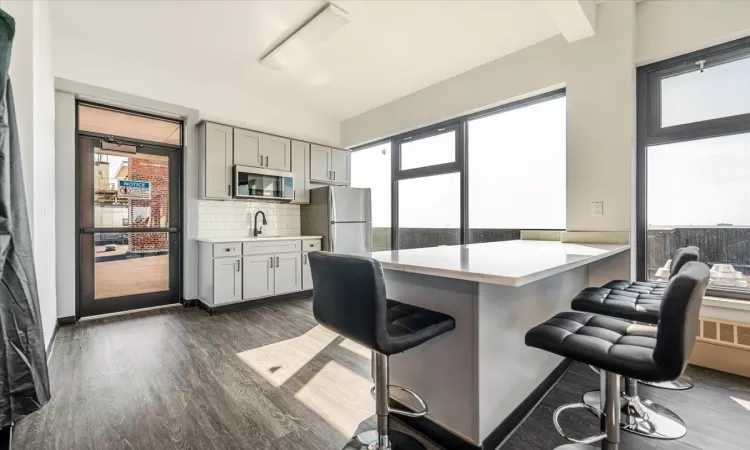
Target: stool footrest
{"points": [[404, 412], [588, 440]]}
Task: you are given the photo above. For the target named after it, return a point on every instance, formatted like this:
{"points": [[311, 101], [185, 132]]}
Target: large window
{"points": [[479, 178], [371, 168], [517, 171], [694, 164]]}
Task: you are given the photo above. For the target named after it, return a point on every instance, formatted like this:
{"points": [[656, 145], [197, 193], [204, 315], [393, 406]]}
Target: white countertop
{"points": [[509, 263], [222, 240]]}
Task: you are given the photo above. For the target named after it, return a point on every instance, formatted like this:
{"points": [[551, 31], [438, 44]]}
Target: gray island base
{"points": [[474, 377]]}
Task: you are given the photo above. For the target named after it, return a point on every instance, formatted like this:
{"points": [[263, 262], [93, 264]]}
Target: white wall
{"points": [[599, 74], [222, 100], [31, 75], [668, 28]]}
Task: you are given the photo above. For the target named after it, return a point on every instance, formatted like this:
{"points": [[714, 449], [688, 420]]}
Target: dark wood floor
{"points": [[176, 378], [713, 411], [271, 378]]}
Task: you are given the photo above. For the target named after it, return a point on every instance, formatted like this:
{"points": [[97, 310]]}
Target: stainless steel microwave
{"points": [[252, 182]]}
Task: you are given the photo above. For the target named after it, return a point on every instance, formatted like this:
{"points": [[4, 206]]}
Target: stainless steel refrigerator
{"points": [[342, 215]]}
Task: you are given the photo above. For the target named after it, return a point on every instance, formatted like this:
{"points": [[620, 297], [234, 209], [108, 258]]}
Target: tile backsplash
{"points": [[235, 218]]}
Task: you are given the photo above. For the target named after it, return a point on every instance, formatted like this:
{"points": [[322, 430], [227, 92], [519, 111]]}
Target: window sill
{"points": [[726, 309]]}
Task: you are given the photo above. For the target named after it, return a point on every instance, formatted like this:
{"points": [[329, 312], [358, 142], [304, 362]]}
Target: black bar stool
{"points": [[620, 348], [349, 298], [639, 302]]}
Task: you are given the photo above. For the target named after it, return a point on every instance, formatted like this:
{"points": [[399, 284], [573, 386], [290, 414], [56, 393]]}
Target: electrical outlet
{"points": [[597, 208]]}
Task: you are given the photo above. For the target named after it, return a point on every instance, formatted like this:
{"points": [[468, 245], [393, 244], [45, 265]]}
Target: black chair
{"points": [[639, 302], [349, 298], [620, 348]]}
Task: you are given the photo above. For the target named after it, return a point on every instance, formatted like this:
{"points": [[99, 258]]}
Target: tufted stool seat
{"points": [[408, 326], [620, 348], [625, 304], [349, 298], [639, 301], [610, 344]]}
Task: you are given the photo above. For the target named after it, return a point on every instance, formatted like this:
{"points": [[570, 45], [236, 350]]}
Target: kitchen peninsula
{"points": [[474, 377]]}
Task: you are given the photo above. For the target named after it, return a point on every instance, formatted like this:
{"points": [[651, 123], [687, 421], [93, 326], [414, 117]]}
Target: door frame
{"points": [[85, 279]]}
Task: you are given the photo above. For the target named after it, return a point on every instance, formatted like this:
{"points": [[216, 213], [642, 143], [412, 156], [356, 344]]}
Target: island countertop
{"points": [[508, 263]]}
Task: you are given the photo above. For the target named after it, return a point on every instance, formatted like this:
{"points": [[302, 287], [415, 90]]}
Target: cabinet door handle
{"points": [[334, 174], [304, 259], [229, 189], [271, 266], [238, 265], [266, 161], [329, 174], [277, 261]]}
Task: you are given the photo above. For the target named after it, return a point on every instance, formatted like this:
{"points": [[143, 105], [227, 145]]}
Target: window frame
{"points": [[651, 132], [459, 165]]}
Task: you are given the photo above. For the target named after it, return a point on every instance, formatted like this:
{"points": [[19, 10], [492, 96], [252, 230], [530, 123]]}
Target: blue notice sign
{"points": [[140, 190]]}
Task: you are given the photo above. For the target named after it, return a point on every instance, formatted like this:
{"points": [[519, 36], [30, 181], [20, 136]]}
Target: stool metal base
{"points": [[644, 417], [368, 440], [681, 384]]}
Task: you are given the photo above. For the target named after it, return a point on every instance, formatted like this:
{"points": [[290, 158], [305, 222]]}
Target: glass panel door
{"points": [[129, 236]]}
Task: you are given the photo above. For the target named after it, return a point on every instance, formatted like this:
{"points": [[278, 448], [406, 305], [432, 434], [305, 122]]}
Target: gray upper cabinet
{"points": [[320, 163], [247, 146], [216, 142], [227, 280], [340, 166], [329, 165], [301, 171], [276, 152]]}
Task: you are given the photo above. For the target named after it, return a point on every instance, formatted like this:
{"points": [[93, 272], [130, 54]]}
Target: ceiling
{"points": [[388, 50]]}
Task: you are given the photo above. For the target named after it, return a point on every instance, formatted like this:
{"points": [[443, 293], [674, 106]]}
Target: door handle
{"points": [[271, 266], [277, 261], [266, 161], [304, 260], [329, 174], [261, 159], [334, 175], [238, 265], [229, 189]]}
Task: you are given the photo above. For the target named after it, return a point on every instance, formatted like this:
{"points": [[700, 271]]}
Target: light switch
{"points": [[597, 208]]}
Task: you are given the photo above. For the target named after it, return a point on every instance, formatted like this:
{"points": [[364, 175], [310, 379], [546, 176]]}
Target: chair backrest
{"points": [[681, 257], [349, 296], [679, 318]]}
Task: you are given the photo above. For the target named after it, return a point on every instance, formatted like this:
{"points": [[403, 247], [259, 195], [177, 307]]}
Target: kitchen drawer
{"points": [[311, 245], [266, 247], [233, 249]]}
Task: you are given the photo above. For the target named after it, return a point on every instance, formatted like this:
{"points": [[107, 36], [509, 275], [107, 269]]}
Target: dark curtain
{"points": [[24, 383]]}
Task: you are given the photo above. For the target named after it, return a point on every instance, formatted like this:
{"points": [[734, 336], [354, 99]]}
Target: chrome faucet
{"points": [[256, 230]]}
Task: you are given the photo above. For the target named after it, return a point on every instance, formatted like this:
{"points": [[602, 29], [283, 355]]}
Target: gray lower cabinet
{"points": [[227, 276], [288, 273], [230, 272], [307, 283], [257, 276]]}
